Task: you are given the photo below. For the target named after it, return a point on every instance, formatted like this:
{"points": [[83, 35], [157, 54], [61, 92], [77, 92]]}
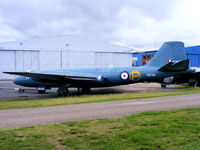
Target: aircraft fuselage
{"points": [[105, 77]]}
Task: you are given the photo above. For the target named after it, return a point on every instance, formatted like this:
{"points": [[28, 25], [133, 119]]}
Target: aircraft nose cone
{"points": [[16, 81], [19, 80]]}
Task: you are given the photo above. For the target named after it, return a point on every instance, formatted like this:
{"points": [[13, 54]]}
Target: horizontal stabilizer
{"points": [[175, 66]]}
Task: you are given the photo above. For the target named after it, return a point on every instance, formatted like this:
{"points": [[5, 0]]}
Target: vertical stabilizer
{"points": [[170, 51]]}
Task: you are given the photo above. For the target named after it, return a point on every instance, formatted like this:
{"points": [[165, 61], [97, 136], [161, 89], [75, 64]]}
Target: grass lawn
{"points": [[92, 98], [172, 130]]}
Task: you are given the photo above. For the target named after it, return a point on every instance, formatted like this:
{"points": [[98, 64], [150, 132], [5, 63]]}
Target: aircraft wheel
{"points": [[163, 86], [79, 91], [86, 90], [63, 91]]}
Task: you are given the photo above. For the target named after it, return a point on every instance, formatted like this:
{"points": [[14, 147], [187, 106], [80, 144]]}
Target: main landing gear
{"points": [[163, 85], [63, 91], [84, 90]]}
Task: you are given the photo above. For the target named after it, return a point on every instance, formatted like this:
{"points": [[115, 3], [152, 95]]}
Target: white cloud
{"points": [[130, 23], [6, 32], [143, 30]]}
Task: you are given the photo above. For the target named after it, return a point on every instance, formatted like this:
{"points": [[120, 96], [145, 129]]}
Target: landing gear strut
{"points": [[196, 84], [63, 91], [163, 85], [84, 90]]}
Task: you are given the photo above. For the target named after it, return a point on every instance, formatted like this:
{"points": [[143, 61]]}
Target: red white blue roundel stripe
{"points": [[124, 75]]}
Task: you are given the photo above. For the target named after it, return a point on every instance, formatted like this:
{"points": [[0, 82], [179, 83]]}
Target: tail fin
{"points": [[169, 52]]}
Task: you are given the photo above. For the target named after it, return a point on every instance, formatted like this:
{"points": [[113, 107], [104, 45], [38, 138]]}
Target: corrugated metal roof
{"points": [[64, 43]]}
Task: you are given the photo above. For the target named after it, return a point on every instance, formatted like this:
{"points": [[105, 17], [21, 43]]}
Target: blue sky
{"points": [[143, 24]]}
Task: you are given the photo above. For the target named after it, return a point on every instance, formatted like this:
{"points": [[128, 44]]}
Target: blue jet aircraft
{"points": [[169, 62]]}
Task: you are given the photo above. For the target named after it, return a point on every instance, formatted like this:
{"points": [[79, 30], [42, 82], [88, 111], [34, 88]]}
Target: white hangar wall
{"points": [[22, 58], [18, 60]]}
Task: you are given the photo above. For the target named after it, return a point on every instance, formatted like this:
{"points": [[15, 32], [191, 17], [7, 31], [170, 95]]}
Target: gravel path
{"points": [[48, 115]]}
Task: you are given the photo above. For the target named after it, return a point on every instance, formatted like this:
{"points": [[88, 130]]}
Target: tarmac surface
{"points": [[48, 115], [8, 92]]}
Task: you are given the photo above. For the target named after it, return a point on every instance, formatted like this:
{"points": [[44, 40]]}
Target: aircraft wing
{"points": [[58, 75]]}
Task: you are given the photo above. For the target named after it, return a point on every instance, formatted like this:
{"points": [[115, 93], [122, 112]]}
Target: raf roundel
{"points": [[124, 75]]}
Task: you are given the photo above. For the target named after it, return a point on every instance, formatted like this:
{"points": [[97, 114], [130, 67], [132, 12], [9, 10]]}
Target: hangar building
{"points": [[193, 54], [61, 52]]}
